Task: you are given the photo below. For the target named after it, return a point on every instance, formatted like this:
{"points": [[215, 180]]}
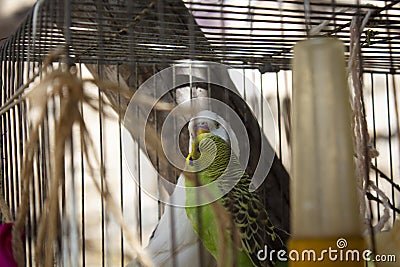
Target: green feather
{"points": [[212, 155]]}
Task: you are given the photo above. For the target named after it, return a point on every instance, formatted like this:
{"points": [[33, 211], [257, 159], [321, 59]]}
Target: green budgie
{"points": [[211, 160]]}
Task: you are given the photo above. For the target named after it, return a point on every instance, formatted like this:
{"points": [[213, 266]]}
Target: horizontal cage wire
{"points": [[87, 58], [251, 35]]}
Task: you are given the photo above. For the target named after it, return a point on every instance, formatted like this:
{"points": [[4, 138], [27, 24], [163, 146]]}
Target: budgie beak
{"points": [[189, 160]]}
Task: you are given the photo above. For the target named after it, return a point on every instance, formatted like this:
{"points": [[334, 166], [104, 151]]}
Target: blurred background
{"points": [[127, 43]]}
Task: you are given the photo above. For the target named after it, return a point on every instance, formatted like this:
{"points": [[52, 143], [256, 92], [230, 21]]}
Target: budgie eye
{"points": [[198, 149]]}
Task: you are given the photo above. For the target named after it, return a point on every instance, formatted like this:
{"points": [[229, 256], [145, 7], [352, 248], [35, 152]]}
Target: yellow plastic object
{"points": [[328, 252], [324, 195]]}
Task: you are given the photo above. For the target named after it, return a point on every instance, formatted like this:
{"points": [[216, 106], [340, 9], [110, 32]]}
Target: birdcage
{"points": [[83, 187]]}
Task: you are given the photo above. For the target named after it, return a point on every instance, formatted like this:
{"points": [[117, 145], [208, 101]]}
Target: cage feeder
{"points": [[325, 208]]}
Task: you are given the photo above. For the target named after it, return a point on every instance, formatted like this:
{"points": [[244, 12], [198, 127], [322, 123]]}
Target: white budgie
{"points": [[185, 252]]}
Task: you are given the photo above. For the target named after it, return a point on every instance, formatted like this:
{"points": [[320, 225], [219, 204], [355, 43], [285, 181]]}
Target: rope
{"points": [[13, 101], [360, 129], [359, 133], [317, 29], [386, 212]]}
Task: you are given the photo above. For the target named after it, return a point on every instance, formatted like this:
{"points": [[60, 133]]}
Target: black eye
{"points": [[198, 149]]}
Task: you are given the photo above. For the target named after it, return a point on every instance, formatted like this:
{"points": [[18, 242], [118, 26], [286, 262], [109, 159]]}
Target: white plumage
{"points": [[186, 243], [186, 247]]}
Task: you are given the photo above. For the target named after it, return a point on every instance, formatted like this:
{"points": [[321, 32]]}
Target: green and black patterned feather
{"points": [[252, 221]]}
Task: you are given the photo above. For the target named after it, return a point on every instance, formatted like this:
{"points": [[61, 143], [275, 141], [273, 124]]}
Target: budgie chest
{"points": [[204, 223], [214, 166]]}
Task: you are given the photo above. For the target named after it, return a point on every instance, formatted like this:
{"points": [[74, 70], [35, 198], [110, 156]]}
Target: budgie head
{"points": [[210, 155], [209, 122]]}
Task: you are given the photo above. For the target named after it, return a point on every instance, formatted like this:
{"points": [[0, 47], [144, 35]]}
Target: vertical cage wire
{"points": [[20, 60]]}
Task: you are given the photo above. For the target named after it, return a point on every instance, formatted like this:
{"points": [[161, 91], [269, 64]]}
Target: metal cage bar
{"points": [[149, 35]]}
